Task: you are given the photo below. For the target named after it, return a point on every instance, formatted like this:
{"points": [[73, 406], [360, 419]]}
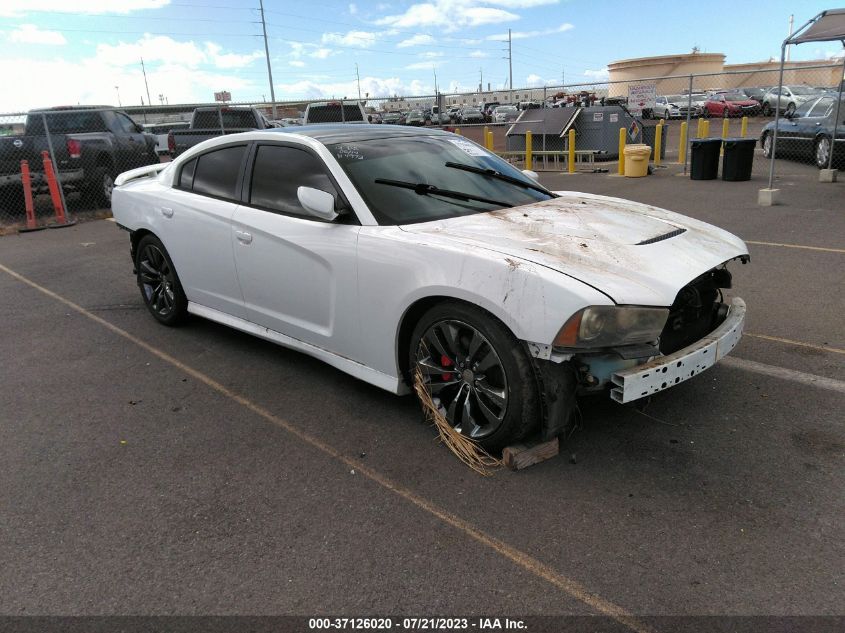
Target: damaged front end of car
{"points": [[637, 351]]}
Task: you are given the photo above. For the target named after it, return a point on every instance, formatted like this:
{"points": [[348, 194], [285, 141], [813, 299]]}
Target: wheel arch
{"points": [[415, 311]]}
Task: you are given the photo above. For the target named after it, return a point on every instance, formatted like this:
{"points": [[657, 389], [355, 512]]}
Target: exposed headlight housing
{"points": [[611, 326]]}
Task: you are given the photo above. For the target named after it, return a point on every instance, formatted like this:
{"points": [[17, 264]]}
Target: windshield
{"points": [[803, 90], [422, 159], [735, 96], [676, 99], [506, 109]]}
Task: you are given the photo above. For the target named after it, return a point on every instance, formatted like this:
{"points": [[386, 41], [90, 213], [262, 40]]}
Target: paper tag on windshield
{"points": [[470, 148]]}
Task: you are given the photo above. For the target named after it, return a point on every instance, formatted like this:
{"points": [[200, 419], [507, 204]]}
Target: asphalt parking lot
{"points": [[198, 470]]}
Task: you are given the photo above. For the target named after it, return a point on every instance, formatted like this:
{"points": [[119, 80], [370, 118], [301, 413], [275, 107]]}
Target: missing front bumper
{"points": [[667, 371]]}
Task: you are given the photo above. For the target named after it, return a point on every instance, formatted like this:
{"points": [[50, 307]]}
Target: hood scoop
{"points": [[660, 238]]}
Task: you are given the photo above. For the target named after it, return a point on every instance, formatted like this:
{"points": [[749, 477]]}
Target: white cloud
{"points": [[432, 54], [449, 15], [353, 9], [478, 54], [375, 87], [521, 35], [416, 40], [601, 74], [321, 53], [160, 48], [362, 39], [296, 62], [521, 4], [151, 48], [9, 8], [424, 65], [31, 34], [230, 60], [71, 82]]}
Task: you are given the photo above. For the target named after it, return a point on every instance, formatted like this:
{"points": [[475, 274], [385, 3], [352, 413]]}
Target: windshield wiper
{"points": [[423, 189], [492, 173]]}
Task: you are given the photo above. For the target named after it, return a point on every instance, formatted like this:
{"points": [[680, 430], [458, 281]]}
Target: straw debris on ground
{"points": [[466, 449]]}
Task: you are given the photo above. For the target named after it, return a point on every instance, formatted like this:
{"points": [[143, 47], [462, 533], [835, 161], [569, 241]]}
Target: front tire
{"points": [[478, 374], [160, 287], [767, 144], [821, 152]]}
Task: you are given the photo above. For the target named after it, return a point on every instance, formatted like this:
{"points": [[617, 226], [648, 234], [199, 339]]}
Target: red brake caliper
{"points": [[446, 362]]}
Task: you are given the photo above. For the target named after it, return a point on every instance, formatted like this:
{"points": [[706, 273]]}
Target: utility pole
{"points": [[267, 56], [358, 77], [144, 70], [480, 80], [510, 65], [791, 20]]}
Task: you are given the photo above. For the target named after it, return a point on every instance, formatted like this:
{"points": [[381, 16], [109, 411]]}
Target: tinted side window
{"points": [[186, 178], [127, 124], [277, 174], [822, 107], [216, 173]]}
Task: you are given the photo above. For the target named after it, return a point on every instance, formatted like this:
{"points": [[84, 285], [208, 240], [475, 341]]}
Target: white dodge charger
{"points": [[391, 252]]}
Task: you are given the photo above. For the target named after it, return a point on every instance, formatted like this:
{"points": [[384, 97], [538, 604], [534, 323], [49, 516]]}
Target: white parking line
{"points": [[785, 374]]}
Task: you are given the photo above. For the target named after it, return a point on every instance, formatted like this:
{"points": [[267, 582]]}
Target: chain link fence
{"points": [[59, 164]]}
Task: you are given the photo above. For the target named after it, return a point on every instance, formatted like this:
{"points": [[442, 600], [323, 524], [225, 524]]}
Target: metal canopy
{"points": [[826, 26]]}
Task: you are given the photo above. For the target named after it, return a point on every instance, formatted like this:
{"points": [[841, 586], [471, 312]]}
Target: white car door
{"points": [[298, 273], [197, 215]]}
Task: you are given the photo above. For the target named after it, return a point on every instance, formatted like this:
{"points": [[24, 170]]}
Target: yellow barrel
{"points": [[636, 160]]}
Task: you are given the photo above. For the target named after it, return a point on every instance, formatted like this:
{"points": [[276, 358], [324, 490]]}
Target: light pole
{"points": [[117, 90]]}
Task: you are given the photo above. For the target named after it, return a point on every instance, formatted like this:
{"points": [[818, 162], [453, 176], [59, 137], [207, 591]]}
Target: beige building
{"points": [[674, 71]]}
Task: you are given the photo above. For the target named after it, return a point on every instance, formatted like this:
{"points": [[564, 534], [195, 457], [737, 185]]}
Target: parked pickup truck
{"points": [[210, 122], [92, 144]]}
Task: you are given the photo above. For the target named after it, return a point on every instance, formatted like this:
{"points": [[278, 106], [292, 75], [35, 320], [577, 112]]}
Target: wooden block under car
{"points": [[521, 456]]}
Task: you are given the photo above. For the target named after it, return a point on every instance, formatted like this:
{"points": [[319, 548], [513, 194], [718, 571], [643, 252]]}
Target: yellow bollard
{"points": [[698, 129], [705, 129], [682, 147], [490, 141], [486, 138], [458, 131], [529, 163], [658, 142], [621, 169], [744, 129], [571, 165], [724, 135], [662, 122]]}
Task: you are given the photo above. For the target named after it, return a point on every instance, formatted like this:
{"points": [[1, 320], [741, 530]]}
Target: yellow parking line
{"points": [[516, 556], [788, 341], [809, 248]]}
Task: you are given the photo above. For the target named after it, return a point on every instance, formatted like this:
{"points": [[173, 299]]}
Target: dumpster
{"points": [[636, 160], [738, 159], [704, 158]]}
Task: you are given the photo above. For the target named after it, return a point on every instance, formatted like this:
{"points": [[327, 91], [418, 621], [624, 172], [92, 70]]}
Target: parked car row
{"points": [[735, 102], [807, 132]]}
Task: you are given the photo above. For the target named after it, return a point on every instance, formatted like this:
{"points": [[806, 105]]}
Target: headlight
{"points": [[608, 326]]}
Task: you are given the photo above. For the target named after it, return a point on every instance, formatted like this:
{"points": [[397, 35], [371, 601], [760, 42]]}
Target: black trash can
{"points": [[738, 159], [704, 158]]}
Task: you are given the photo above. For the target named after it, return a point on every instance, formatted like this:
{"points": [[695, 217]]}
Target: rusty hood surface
{"points": [[634, 253]]}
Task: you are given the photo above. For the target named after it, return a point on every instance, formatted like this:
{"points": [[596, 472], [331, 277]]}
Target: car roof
{"points": [[328, 133]]}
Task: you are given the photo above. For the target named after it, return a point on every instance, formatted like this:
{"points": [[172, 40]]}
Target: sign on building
{"points": [[224, 95], [641, 97]]}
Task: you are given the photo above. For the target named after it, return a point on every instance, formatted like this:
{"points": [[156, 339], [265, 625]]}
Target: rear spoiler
{"points": [[140, 172]]}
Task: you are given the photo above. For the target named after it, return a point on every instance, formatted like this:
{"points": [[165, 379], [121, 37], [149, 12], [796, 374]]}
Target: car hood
{"points": [[631, 252]]}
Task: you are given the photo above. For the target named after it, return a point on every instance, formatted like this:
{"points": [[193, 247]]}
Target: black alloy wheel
{"points": [[477, 374], [160, 287]]}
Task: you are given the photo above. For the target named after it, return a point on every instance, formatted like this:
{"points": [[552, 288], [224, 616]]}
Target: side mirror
{"points": [[531, 174], [139, 128], [318, 203]]}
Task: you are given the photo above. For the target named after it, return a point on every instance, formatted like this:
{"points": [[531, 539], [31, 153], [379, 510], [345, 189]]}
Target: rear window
{"points": [[216, 173], [66, 122], [331, 113], [231, 119]]}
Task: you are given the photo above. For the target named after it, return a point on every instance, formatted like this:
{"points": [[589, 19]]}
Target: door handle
{"points": [[167, 212], [243, 237]]}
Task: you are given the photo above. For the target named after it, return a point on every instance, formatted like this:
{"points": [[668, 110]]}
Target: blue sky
{"points": [[88, 51]]}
